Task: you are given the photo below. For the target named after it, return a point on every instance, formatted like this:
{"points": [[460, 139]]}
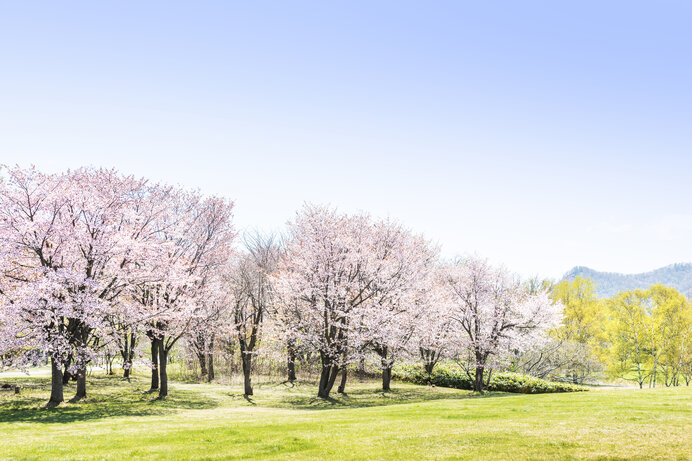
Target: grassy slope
{"points": [[213, 421]]}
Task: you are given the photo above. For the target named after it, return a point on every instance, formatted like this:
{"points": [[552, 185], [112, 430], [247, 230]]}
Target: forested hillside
{"points": [[608, 284]]}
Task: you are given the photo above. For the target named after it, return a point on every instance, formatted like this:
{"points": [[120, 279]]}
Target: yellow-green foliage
{"points": [[583, 328], [642, 335], [584, 313], [649, 334]]}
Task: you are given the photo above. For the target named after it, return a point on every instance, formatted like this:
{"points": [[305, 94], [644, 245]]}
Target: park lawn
{"points": [[210, 421]]}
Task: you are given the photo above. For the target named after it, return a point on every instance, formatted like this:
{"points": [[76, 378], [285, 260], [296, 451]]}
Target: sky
{"points": [[541, 135]]}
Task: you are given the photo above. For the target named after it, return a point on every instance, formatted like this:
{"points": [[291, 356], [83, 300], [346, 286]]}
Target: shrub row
{"points": [[449, 376]]}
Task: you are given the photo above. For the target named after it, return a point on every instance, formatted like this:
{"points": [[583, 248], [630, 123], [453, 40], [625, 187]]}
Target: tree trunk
{"points": [[327, 377], [291, 363], [639, 377], [487, 380], [202, 364], [210, 360], [342, 384], [127, 366], [478, 381], [154, 365], [56, 391], [323, 390], [387, 378], [429, 359], [128, 354], [429, 366], [66, 375], [210, 367], [247, 366], [386, 367], [163, 375], [81, 384]]}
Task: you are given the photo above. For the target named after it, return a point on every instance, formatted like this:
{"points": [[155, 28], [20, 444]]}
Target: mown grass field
{"points": [[202, 421]]}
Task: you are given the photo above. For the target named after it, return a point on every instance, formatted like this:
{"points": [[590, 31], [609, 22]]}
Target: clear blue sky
{"points": [[541, 136]]}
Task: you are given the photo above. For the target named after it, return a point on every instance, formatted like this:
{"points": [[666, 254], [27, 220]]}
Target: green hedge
{"points": [[451, 376]]}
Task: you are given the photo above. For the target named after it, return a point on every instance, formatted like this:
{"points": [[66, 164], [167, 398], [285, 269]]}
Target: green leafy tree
{"points": [[581, 334], [628, 329], [671, 316], [649, 335]]}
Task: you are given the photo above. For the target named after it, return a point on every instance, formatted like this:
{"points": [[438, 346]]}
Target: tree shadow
{"points": [[105, 399], [363, 398]]}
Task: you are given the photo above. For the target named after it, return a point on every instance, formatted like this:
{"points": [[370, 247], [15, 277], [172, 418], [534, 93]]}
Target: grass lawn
{"points": [[202, 421]]}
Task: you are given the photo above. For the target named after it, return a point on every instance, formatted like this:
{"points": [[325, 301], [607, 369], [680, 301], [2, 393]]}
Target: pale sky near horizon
{"points": [[539, 134]]}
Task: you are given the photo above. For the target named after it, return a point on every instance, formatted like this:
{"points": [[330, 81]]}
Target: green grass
{"points": [[201, 421]]}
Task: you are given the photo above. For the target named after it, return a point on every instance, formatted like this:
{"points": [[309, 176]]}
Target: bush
{"points": [[449, 376]]}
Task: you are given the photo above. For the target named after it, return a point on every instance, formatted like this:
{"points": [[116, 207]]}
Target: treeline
{"points": [[96, 264]]}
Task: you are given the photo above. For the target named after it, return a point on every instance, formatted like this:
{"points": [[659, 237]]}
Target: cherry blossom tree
{"points": [[405, 262], [84, 251], [433, 337], [33, 302], [347, 282], [71, 240], [288, 314], [183, 274], [202, 337], [494, 315], [324, 272], [89, 258], [251, 296]]}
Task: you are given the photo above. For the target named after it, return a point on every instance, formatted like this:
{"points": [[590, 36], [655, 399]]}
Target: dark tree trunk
{"points": [[386, 367], [291, 363], [202, 364], [323, 389], [478, 381], [81, 384], [487, 380], [210, 367], [154, 365], [330, 370], [66, 375], [210, 360], [128, 354], [56, 390], [430, 359], [247, 366], [163, 375], [342, 384], [387, 378]]}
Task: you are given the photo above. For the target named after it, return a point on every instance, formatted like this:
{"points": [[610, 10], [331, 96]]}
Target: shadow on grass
{"points": [[363, 398], [106, 398], [109, 397]]}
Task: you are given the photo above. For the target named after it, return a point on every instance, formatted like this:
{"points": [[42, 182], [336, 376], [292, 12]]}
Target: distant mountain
{"points": [[678, 276]]}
